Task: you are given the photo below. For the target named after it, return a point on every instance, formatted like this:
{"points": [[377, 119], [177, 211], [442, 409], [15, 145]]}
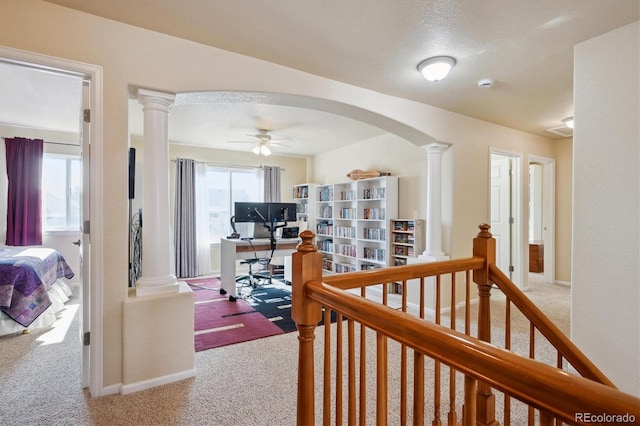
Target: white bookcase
{"points": [[351, 223], [304, 197]]}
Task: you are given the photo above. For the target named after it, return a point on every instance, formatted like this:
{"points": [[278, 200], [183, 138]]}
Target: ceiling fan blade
{"points": [[252, 142], [280, 144]]}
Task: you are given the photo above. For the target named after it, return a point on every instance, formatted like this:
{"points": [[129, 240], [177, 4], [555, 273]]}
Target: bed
{"points": [[32, 287]]}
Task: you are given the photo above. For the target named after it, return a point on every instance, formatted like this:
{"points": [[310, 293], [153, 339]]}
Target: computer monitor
{"points": [[251, 212], [282, 212]]}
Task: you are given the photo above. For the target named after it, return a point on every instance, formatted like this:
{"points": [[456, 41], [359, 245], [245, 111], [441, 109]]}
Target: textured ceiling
{"points": [[525, 46]]}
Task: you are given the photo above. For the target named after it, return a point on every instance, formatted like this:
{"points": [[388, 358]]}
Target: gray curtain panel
{"points": [[185, 219], [271, 179]]}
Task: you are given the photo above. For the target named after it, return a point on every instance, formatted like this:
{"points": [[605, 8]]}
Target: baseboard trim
{"points": [[111, 390], [158, 381], [564, 283]]}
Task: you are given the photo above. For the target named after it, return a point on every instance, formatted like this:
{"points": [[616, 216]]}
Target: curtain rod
{"points": [[233, 166], [53, 143]]}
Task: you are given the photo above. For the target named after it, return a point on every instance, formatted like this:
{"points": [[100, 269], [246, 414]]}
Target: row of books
{"points": [[347, 195], [373, 234], [368, 267], [403, 238], [346, 250], [345, 231], [325, 245], [408, 225], [327, 264], [325, 212], [325, 194], [345, 267], [374, 253], [373, 193], [347, 213], [373, 213], [403, 251], [324, 228], [300, 192]]}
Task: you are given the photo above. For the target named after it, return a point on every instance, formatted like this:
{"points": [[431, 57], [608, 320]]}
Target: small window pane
{"points": [[61, 193]]}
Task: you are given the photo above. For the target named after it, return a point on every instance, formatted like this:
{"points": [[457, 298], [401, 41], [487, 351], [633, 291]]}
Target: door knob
{"points": [[77, 243]]}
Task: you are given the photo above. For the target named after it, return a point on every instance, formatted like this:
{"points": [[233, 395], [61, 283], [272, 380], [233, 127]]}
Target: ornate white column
{"points": [[433, 228], [156, 272]]}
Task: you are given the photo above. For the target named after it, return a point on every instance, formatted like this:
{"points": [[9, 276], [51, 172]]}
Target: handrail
{"points": [[557, 338], [547, 388], [400, 273]]}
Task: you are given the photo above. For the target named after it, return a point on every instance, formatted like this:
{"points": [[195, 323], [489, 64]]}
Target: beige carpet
{"points": [[252, 383]]}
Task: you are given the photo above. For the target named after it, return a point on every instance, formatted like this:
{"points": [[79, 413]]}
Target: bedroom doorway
{"points": [[33, 69], [505, 214]]}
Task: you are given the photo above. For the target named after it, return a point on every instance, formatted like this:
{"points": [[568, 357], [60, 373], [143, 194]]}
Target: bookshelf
{"points": [[304, 197], [406, 240], [351, 223], [407, 237]]}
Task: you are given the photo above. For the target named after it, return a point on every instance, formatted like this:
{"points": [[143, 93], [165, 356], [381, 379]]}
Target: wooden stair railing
{"points": [[552, 391]]}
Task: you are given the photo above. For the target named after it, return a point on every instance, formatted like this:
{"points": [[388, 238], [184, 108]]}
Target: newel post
{"points": [[306, 266], [484, 246]]}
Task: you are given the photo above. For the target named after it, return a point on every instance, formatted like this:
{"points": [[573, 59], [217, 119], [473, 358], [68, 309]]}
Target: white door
{"points": [[501, 214]]}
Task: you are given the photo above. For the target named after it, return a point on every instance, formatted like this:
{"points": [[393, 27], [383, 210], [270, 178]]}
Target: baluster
{"points": [[507, 346], [532, 355], [437, 421], [381, 380], [363, 369], [352, 373], [418, 388], [452, 416], [403, 366], [339, 369], [326, 399], [469, 408], [467, 305]]}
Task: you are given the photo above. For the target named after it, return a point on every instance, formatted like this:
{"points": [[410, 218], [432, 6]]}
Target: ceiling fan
{"points": [[263, 142]]}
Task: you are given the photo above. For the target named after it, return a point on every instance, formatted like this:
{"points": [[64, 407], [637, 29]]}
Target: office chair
{"points": [[254, 278]]}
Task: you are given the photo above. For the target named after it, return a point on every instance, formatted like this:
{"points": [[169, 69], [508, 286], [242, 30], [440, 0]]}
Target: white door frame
{"points": [[548, 214], [94, 283], [520, 263]]}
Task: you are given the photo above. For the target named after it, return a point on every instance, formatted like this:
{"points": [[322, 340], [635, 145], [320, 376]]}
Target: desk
{"points": [[232, 250]]}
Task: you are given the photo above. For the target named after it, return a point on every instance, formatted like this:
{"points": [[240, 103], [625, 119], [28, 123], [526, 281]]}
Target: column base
{"points": [[424, 257], [147, 286]]}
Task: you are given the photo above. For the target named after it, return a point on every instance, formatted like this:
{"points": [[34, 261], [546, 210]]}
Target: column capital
{"points": [[436, 147], [146, 97]]}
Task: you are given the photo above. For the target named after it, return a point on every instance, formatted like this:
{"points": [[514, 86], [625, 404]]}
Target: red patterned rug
{"points": [[220, 322]]}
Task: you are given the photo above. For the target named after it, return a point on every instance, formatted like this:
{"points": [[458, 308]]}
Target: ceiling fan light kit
{"points": [[263, 141]]}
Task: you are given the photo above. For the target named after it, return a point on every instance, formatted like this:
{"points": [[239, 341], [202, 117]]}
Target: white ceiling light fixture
{"points": [[568, 122], [436, 68], [261, 149]]}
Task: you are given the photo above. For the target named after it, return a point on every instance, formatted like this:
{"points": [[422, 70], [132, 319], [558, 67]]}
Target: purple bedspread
{"points": [[26, 274]]}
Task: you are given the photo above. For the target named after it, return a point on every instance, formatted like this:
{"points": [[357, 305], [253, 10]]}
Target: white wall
{"points": [[605, 314]]}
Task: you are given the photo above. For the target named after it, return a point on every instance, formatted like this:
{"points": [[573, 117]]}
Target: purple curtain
{"points": [[24, 205]]}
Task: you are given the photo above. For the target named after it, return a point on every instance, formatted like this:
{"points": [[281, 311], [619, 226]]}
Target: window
{"points": [[61, 193], [225, 187]]}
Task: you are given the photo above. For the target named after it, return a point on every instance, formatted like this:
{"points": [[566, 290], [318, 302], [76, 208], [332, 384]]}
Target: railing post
{"points": [[484, 245], [306, 266]]}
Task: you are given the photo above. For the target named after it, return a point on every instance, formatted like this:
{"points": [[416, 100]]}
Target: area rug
{"points": [[220, 322]]}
